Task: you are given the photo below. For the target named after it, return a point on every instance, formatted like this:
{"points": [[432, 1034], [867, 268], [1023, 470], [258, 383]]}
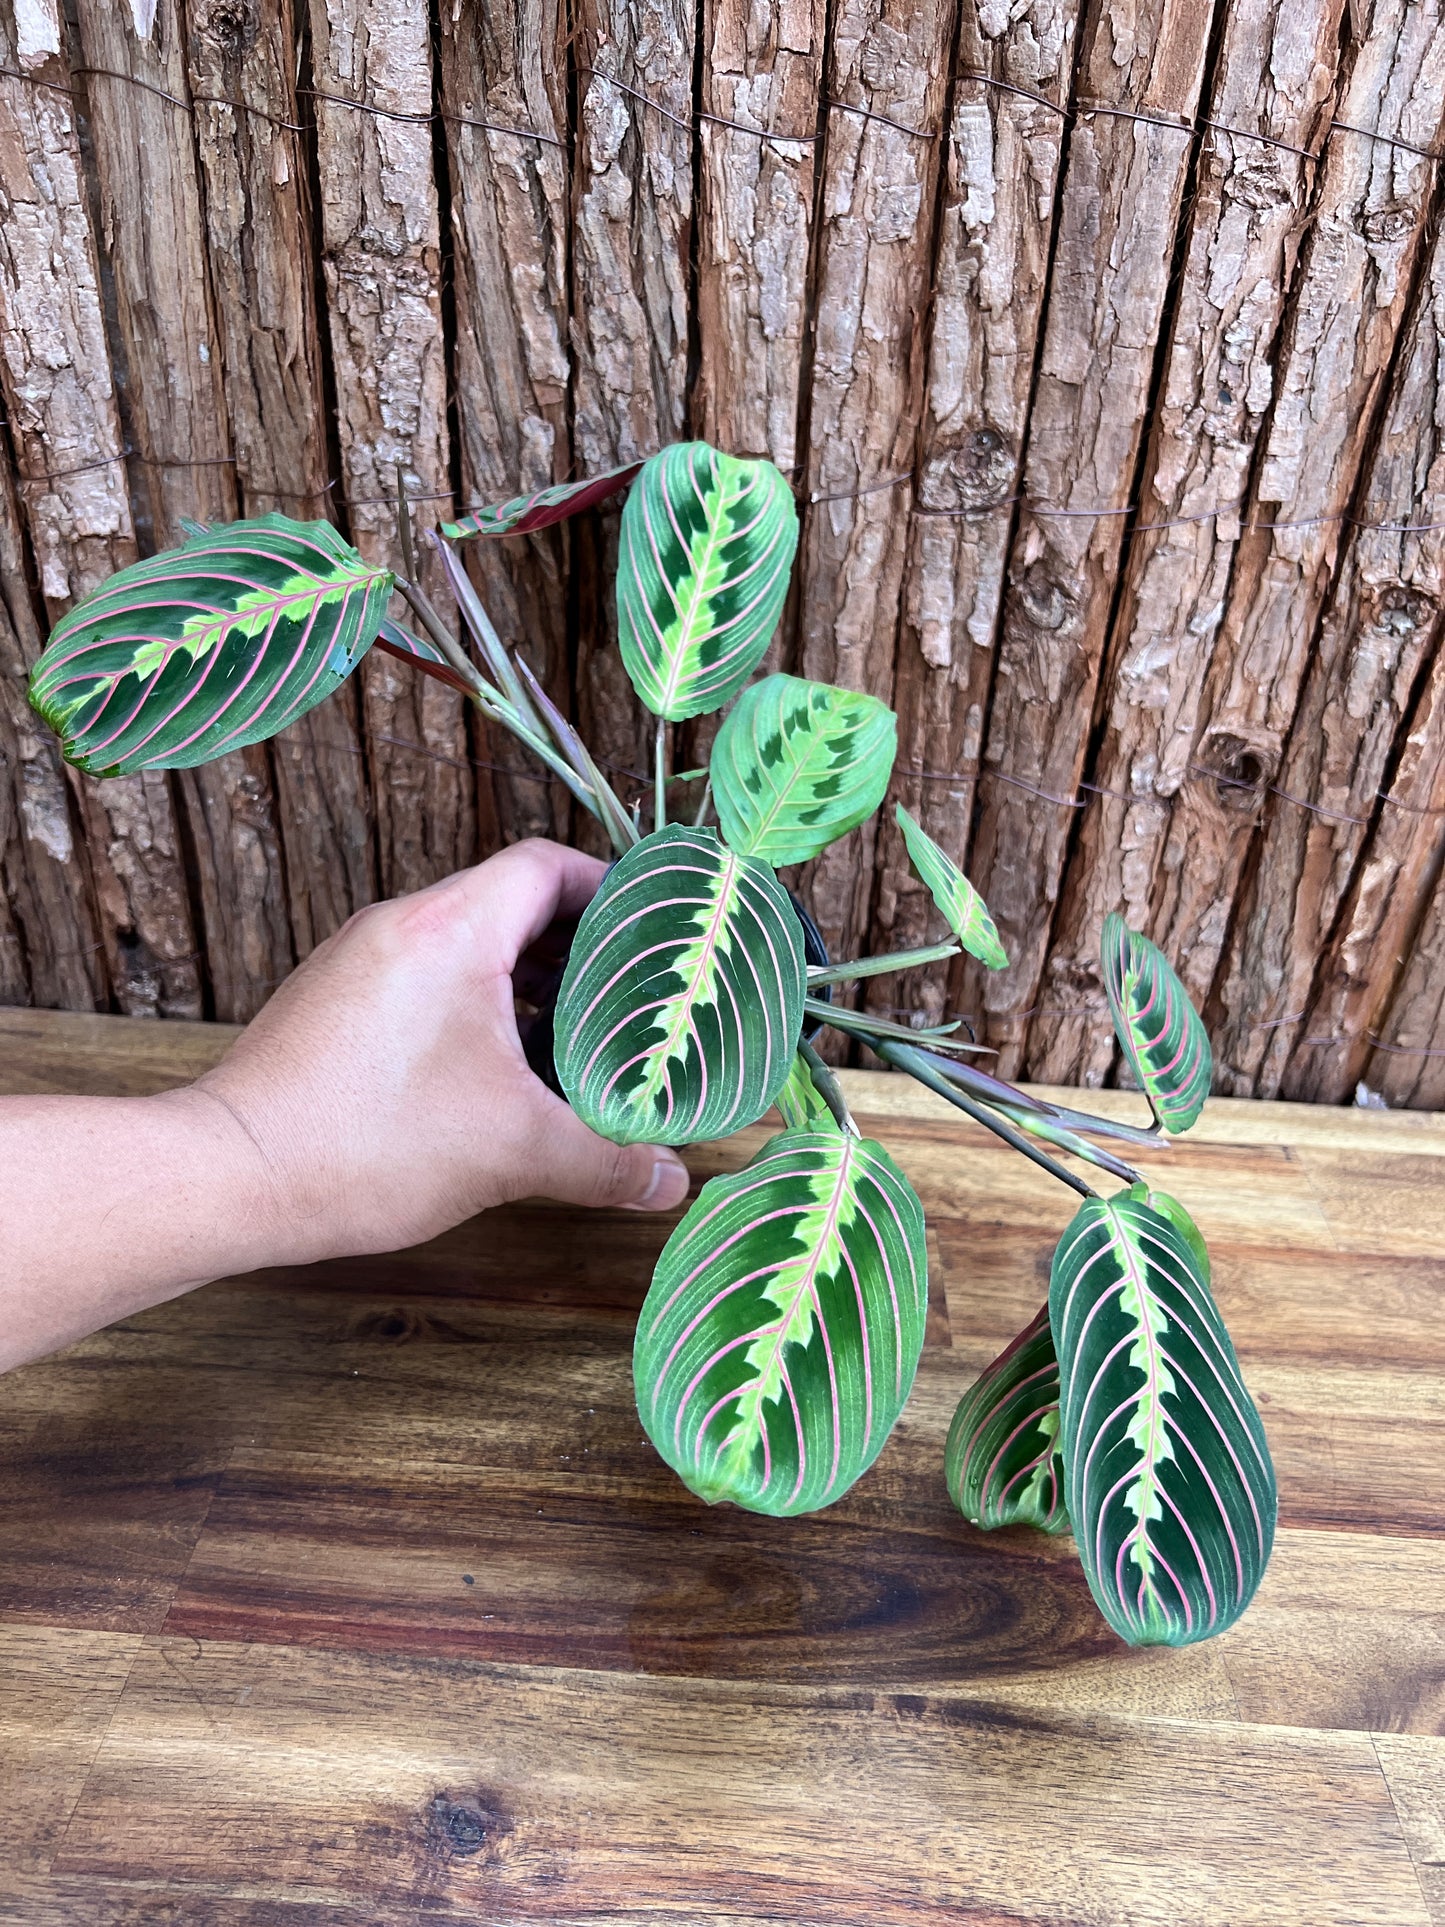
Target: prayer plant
{"points": [[779, 1340]]}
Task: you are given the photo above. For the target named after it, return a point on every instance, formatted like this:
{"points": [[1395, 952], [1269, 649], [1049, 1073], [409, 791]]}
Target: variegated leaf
{"points": [[542, 507], [1002, 1459], [799, 1103], [682, 1004], [208, 647], [707, 545], [1166, 1044], [1168, 1477], [781, 1334], [963, 908], [798, 764], [420, 651]]}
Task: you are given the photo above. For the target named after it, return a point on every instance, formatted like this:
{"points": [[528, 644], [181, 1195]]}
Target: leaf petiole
{"points": [[845, 973]]}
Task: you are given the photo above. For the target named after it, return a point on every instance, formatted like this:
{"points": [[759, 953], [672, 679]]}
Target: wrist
{"points": [[242, 1207]]}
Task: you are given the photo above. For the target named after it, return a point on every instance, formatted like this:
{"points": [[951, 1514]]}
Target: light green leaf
{"points": [[682, 1003], [798, 764], [707, 546], [208, 647], [1159, 1029], [1002, 1460], [1168, 1479], [963, 908], [800, 1104], [779, 1341]]}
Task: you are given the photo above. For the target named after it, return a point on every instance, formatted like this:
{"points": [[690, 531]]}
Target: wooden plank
{"points": [[263, 271], [382, 259], [1361, 252], [55, 375], [509, 226], [458, 1789], [989, 278], [1344, 1634], [1414, 1771], [145, 158], [96, 1056], [1245, 222], [632, 197], [1119, 204], [887, 83], [57, 1693], [1378, 632]]}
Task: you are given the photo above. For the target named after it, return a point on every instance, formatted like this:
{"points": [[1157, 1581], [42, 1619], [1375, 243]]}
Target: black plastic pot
{"points": [[539, 1038]]}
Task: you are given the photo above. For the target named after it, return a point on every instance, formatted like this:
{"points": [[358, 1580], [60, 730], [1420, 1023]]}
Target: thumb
{"points": [[576, 1166]]}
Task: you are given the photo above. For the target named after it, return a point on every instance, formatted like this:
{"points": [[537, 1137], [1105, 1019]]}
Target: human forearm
{"points": [[108, 1205]]}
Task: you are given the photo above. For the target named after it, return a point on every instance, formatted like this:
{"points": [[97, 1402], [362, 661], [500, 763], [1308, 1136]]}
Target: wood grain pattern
{"points": [[990, 276], [381, 255], [1378, 631], [507, 66], [1244, 226], [185, 459], [1356, 268], [356, 1593], [50, 952], [877, 204], [260, 249], [1118, 204], [632, 214]]}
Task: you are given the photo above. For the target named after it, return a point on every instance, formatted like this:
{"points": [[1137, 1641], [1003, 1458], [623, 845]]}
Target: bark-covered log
{"points": [[382, 259], [761, 68], [1273, 78], [1392, 890], [50, 951], [1357, 696], [631, 237], [55, 370], [989, 276], [1119, 206], [1361, 249], [890, 59], [259, 232], [1408, 1067], [506, 65]]}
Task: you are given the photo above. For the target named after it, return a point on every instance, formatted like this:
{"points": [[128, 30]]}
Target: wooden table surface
{"points": [[356, 1595]]}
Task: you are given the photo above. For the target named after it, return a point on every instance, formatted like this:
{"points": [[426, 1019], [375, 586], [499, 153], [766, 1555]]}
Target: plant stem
{"points": [[1018, 1104], [828, 1088], [609, 810], [845, 973], [403, 527], [659, 791], [705, 804], [858, 1024], [915, 1063]]}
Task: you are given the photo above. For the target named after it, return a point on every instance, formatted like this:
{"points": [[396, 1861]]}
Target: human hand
{"points": [[384, 1089]]}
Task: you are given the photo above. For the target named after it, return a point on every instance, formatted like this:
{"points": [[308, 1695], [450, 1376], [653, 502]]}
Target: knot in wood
{"points": [[1241, 770]]}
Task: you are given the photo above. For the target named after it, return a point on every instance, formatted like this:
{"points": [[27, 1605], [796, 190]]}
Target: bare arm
{"points": [[381, 1097]]}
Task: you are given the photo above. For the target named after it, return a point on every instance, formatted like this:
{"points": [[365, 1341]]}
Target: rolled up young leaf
{"points": [[707, 545], [799, 1102], [1168, 1479], [682, 1004], [778, 1343], [392, 639], [798, 764], [1002, 1460], [963, 908], [1166, 1044], [208, 647], [522, 514]]}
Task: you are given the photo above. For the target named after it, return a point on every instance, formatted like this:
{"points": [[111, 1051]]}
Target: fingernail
{"points": [[667, 1186]]}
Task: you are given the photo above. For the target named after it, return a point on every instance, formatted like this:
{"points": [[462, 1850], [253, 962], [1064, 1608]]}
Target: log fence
{"points": [[1102, 345]]}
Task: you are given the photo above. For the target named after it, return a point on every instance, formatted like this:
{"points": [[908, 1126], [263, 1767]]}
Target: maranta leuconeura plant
{"points": [[782, 1331]]}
